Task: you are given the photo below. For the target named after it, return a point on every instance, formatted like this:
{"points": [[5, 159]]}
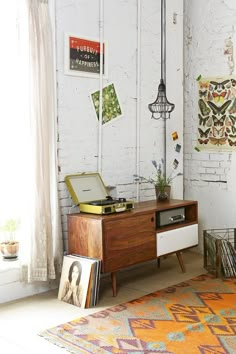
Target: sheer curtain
{"points": [[28, 161], [41, 241]]}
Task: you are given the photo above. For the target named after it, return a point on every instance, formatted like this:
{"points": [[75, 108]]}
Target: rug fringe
{"points": [[78, 350], [50, 339]]}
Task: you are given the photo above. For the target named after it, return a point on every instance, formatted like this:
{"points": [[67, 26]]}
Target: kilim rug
{"points": [[197, 316]]}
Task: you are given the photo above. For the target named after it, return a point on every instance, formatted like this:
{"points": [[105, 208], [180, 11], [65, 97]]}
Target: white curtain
{"points": [[41, 244]]}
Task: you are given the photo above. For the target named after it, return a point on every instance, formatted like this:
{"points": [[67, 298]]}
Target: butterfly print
{"points": [[219, 86], [202, 121], [216, 141], [232, 118], [205, 141], [209, 122], [228, 122], [218, 133], [233, 91], [231, 142], [220, 121], [204, 134], [203, 107], [218, 137], [203, 85], [233, 128], [211, 88], [232, 109], [233, 82], [221, 109], [228, 95], [203, 93], [209, 96], [219, 97], [217, 112]]}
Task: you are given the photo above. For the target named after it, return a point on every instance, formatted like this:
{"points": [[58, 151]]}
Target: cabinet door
{"points": [[129, 241], [177, 239], [85, 236]]}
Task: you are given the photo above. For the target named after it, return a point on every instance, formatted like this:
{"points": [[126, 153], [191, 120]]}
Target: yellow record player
{"points": [[89, 192]]}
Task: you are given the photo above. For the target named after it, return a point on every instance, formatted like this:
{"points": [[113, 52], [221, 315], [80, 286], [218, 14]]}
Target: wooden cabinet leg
{"points": [[181, 262], [113, 281], [158, 262]]}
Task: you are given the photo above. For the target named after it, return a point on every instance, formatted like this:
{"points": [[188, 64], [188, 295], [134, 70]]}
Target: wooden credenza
{"points": [[131, 237]]}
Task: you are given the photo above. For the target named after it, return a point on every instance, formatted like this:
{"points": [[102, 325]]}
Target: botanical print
{"points": [[110, 104], [217, 113]]}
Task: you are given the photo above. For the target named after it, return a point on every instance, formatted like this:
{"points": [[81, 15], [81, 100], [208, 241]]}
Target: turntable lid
{"points": [[86, 187]]}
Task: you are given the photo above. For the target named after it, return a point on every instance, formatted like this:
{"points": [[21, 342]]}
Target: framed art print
{"points": [[217, 113], [82, 56]]}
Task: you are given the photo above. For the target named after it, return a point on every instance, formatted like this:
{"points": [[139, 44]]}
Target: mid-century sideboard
{"points": [[127, 238]]}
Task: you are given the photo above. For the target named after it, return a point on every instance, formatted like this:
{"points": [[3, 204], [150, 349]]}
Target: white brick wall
{"points": [[77, 124], [207, 175]]}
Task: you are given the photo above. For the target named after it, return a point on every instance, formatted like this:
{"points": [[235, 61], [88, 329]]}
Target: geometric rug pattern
{"points": [[196, 316]]}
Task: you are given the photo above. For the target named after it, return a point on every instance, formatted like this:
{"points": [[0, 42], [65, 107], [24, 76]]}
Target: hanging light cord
{"points": [[161, 107], [163, 68], [163, 41]]}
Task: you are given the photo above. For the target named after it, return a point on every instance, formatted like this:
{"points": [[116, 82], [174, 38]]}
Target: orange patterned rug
{"points": [[197, 316]]}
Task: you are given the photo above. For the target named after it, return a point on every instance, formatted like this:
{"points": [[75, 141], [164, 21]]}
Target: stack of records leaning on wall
{"points": [[80, 280]]}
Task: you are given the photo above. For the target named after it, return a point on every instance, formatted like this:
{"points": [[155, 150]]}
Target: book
{"points": [[79, 283]]}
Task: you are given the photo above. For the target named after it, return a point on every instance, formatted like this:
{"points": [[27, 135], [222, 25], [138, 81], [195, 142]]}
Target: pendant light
{"points": [[161, 107]]}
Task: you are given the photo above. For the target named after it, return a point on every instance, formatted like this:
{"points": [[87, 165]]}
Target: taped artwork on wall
{"points": [[110, 104], [217, 113]]}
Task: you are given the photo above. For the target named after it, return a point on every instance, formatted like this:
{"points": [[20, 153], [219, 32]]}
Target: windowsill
{"points": [[9, 272], [8, 265], [10, 286]]}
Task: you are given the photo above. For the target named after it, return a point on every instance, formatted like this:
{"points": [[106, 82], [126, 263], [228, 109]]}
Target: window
{"points": [[14, 135], [28, 191]]}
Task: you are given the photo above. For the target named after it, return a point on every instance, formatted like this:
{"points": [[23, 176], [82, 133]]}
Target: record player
{"points": [[89, 192]]}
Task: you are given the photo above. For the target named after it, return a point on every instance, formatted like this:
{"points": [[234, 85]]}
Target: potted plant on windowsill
{"points": [[9, 246], [161, 182]]}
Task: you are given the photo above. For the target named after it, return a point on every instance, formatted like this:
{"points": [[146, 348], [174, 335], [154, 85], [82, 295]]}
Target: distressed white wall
{"points": [[131, 142], [209, 177], [123, 151]]}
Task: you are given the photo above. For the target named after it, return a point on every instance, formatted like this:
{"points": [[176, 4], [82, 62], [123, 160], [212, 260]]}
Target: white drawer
{"points": [[175, 240]]}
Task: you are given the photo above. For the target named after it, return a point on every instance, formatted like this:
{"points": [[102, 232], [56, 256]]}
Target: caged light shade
{"points": [[161, 107]]}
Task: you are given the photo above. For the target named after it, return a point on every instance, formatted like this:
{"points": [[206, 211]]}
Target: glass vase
{"points": [[163, 194]]}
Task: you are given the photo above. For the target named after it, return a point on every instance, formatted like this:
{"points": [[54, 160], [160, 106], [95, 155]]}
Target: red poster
{"points": [[84, 56]]}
